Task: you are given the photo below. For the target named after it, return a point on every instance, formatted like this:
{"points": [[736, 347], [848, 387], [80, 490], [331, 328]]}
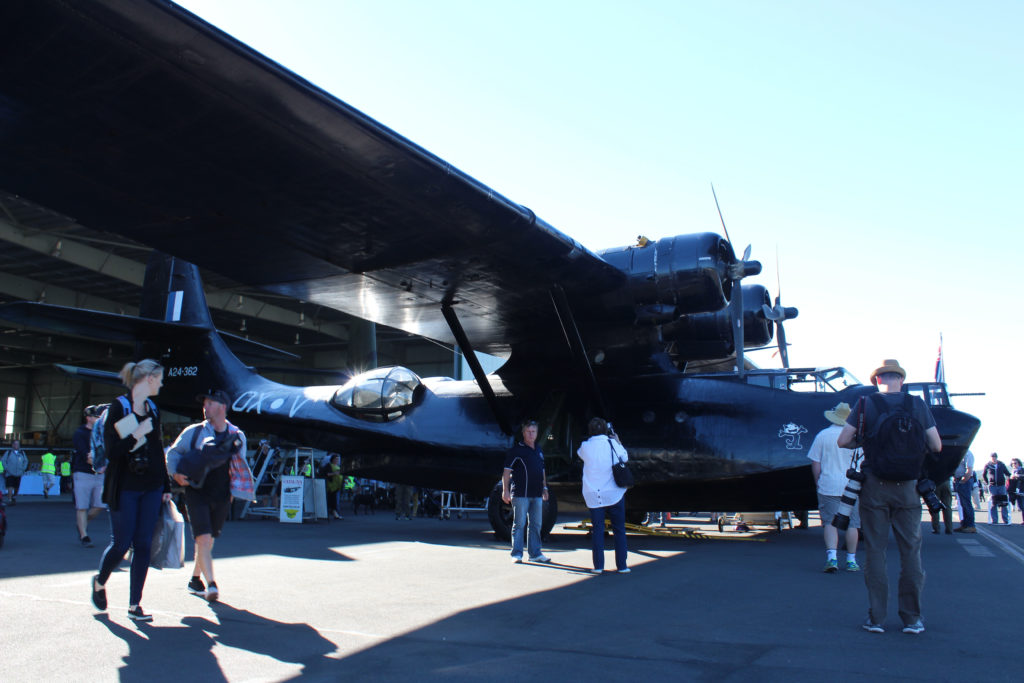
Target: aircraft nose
{"points": [[959, 429]]}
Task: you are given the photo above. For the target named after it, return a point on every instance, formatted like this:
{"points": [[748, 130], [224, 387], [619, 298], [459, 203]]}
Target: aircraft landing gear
{"points": [[500, 515]]}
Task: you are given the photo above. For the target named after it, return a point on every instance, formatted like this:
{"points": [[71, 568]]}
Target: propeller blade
{"points": [[724, 229], [783, 349]]}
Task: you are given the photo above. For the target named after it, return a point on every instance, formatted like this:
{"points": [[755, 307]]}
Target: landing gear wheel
{"points": [[499, 514]]}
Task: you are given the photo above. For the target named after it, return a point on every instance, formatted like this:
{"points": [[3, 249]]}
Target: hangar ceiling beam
{"points": [[60, 349], [30, 290], [133, 272]]}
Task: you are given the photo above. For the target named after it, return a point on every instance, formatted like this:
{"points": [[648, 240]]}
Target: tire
{"points": [[499, 514]]}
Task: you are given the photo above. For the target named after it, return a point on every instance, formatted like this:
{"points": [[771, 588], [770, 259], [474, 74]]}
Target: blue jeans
{"points": [[963, 494], [1003, 506], [617, 516], [133, 526], [527, 511]]}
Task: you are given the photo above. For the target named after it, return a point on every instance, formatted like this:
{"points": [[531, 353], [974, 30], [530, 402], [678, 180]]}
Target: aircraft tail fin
{"points": [[173, 292]]}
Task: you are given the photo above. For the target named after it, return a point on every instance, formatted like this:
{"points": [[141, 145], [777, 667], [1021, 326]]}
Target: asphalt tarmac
{"points": [[372, 597]]}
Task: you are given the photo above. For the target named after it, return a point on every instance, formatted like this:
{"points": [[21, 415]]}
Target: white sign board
{"points": [[291, 498]]}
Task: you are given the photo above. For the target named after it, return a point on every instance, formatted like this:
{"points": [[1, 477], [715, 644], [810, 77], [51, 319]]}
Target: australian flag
{"points": [[940, 367]]}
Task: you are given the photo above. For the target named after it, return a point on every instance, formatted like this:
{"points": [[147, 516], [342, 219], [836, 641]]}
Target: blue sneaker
{"points": [[831, 567], [872, 627], [852, 566], [915, 628]]}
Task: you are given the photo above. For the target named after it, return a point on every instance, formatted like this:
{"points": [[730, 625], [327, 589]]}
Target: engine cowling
{"points": [[676, 275], [709, 335]]}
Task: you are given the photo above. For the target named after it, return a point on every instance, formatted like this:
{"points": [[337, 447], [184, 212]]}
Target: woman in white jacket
{"points": [[602, 495]]}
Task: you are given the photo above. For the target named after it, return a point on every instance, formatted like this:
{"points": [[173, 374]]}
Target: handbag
{"points": [[621, 473], [168, 550]]}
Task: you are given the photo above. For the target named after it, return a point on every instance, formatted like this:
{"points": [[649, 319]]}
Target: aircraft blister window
{"points": [[379, 395]]}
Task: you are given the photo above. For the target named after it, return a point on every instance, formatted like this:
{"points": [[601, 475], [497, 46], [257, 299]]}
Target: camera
{"points": [[854, 480], [138, 462], [926, 489]]}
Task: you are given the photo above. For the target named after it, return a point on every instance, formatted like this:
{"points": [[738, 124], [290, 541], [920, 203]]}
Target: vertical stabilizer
{"points": [[173, 292]]}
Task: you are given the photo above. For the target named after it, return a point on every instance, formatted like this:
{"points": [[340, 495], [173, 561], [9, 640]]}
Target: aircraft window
{"points": [[379, 395], [937, 395]]}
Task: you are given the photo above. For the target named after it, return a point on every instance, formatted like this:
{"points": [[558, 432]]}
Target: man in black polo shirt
{"points": [[524, 485]]}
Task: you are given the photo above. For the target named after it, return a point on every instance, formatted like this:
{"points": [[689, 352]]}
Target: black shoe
{"points": [[935, 531], [99, 595], [136, 614], [196, 586], [86, 542], [212, 594]]}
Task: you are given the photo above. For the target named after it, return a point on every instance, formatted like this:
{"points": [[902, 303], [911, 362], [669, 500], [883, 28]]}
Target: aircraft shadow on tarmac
{"points": [[710, 611], [187, 648]]}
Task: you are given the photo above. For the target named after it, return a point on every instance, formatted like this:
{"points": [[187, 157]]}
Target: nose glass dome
{"points": [[380, 395]]}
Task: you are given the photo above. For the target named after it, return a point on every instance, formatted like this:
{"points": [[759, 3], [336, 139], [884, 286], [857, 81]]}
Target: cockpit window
{"points": [[932, 394], [379, 395]]}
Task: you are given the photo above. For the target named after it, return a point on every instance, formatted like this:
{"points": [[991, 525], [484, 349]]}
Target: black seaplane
{"points": [[138, 118]]}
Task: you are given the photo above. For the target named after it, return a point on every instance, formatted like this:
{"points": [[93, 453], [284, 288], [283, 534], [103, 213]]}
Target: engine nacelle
{"points": [[709, 335], [676, 275]]}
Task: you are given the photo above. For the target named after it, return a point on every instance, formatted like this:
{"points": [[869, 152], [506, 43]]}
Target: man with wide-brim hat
{"points": [[829, 463], [886, 503], [889, 366]]}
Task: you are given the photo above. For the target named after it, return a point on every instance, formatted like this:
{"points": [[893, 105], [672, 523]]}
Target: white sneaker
{"points": [[540, 559], [212, 594]]}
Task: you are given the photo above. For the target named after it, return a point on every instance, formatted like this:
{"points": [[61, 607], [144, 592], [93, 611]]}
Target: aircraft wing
{"points": [[136, 117], [124, 328]]}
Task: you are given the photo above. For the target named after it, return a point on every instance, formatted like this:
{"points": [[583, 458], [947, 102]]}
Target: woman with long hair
{"points": [[135, 483]]}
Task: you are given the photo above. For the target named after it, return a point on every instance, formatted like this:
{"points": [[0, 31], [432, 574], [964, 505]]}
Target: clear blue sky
{"points": [[876, 145]]}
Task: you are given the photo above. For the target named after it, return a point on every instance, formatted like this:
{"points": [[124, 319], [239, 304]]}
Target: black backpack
{"points": [[895, 447]]}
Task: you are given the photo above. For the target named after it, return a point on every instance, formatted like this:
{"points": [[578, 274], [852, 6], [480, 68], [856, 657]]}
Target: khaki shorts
{"points": [[88, 490], [829, 506]]}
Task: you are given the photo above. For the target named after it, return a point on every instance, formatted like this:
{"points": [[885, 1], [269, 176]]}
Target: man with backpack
{"points": [[208, 459], [896, 431], [88, 488]]}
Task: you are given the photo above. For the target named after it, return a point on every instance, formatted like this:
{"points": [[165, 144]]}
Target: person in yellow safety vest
{"points": [[307, 469], [350, 487], [65, 475], [49, 472]]}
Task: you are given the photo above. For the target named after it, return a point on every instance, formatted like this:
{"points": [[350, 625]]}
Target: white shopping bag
{"points": [[168, 551]]}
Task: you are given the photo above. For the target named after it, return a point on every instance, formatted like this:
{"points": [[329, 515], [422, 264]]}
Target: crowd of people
{"points": [[119, 464]]}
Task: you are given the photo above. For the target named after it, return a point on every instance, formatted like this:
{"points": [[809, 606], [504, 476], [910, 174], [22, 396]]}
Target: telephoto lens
{"points": [[926, 489], [854, 479]]}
